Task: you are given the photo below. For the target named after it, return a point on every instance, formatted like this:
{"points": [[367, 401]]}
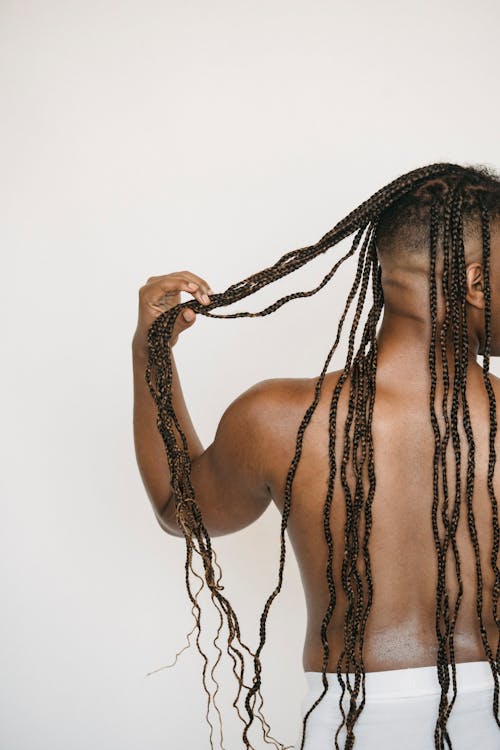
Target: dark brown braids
{"points": [[450, 193]]}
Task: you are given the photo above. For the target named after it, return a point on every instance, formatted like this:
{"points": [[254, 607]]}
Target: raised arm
{"points": [[157, 295], [230, 477]]}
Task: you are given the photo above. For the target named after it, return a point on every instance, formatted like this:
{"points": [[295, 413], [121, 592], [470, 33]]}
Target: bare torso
{"points": [[400, 631]]}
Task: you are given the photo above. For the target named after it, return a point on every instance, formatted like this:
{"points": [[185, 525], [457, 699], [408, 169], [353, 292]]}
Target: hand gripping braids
{"points": [[439, 198]]}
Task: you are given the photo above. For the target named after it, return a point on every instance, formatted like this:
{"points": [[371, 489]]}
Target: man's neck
{"points": [[403, 350]]}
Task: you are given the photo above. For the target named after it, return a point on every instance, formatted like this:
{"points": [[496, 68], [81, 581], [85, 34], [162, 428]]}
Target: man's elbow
{"points": [[169, 529], [167, 520]]}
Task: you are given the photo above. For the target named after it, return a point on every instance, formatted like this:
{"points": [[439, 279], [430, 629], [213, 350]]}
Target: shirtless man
{"points": [[244, 469]]}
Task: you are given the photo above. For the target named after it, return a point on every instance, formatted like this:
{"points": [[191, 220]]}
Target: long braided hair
{"points": [[440, 198]]}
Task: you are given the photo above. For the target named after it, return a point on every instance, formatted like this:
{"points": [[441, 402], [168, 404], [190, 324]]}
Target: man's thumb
{"points": [[189, 315]]}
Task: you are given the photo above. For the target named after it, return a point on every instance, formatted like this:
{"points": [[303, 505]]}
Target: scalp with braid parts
{"points": [[432, 207]]}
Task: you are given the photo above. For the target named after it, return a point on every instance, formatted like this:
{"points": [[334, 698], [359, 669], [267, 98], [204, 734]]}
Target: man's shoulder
{"points": [[286, 392], [495, 381], [276, 389], [274, 397], [278, 405], [495, 384]]}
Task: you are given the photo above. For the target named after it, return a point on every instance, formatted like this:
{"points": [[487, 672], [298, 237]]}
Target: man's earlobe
{"points": [[474, 285]]}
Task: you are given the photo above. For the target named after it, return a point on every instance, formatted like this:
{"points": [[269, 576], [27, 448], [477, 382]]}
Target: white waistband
{"points": [[398, 683]]}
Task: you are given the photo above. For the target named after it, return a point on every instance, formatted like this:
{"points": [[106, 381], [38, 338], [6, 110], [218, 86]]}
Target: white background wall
{"points": [[141, 138]]}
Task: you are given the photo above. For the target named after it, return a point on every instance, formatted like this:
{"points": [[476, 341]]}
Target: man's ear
{"points": [[475, 285]]}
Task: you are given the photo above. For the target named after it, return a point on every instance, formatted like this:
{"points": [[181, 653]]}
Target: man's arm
{"points": [[149, 446], [230, 478]]}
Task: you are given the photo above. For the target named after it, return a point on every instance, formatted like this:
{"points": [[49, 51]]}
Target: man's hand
{"points": [[161, 293]]}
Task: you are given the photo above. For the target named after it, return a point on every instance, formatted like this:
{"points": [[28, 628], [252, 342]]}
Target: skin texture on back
{"points": [[400, 630]]}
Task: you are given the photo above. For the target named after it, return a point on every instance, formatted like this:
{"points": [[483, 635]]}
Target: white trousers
{"points": [[401, 710]]}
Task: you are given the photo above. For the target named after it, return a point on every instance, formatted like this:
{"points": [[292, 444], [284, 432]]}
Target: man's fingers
{"points": [[199, 290], [201, 284], [189, 315]]}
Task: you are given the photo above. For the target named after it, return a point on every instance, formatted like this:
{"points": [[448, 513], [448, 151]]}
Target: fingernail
{"points": [[187, 315], [205, 299]]}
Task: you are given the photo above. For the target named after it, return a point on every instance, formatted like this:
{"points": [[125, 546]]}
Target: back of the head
{"points": [[403, 232]]}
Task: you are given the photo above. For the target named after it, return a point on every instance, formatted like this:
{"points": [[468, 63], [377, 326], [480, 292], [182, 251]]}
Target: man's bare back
{"points": [[400, 630]]}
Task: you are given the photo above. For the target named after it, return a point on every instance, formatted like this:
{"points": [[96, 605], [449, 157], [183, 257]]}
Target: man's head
{"points": [[403, 248]]}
